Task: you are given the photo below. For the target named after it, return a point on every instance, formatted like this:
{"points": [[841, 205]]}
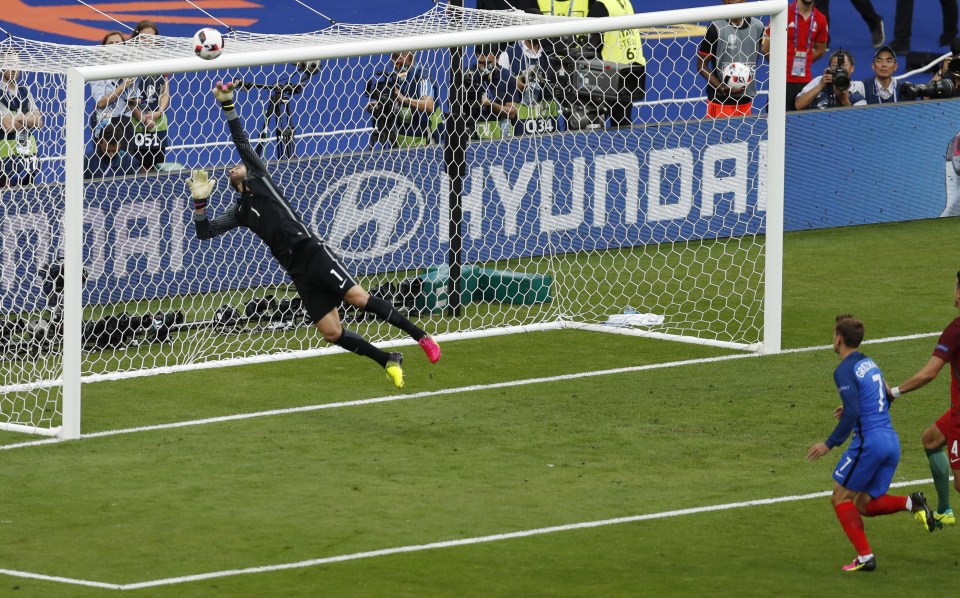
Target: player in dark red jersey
{"points": [[945, 432], [320, 278]]}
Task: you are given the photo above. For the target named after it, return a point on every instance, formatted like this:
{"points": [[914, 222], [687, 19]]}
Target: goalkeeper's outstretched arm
{"points": [[254, 163], [201, 186]]}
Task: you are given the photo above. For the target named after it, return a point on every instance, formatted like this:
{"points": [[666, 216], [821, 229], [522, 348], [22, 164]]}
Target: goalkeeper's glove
{"points": [[224, 94], [200, 188]]}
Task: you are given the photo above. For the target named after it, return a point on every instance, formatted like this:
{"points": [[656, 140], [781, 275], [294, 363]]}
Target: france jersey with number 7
{"points": [[871, 459]]}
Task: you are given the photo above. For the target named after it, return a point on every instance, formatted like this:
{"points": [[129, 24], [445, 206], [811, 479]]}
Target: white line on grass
{"points": [[448, 543], [435, 545], [447, 391], [66, 580], [387, 399]]}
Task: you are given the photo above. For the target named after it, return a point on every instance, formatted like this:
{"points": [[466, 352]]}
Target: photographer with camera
{"points": [[882, 88], [944, 84], [19, 118], [493, 94], [835, 87], [402, 104], [529, 66]]}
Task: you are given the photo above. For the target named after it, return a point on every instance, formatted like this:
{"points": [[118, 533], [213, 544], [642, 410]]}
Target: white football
{"points": [[208, 43], [737, 76]]}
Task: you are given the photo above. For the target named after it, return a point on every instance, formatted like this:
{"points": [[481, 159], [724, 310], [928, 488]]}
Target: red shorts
{"points": [[717, 110], [949, 425]]}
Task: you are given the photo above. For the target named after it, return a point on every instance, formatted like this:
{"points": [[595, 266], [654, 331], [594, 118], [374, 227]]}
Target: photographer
{"points": [[150, 123], [116, 101], [528, 64], [944, 84], [835, 87], [882, 88], [19, 118], [404, 101], [494, 92]]}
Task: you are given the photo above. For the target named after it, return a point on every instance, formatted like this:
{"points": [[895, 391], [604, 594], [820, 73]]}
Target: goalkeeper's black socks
{"points": [[353, 342], [388, 313]]}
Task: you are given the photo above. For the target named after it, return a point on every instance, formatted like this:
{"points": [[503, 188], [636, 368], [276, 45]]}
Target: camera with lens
{"points": [[383, 106], [948, 86], [841, 79], [944, 88], [586, 85]]}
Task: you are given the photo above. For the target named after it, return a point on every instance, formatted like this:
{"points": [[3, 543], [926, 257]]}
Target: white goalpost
{"points": [[544, 192]]}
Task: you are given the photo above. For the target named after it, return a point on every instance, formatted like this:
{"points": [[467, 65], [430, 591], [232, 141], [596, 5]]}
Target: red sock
{"points": [[886, 504], [852, 525]]}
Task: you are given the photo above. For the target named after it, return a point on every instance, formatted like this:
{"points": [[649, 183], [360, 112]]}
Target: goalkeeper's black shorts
{"points": [[320, 278]]}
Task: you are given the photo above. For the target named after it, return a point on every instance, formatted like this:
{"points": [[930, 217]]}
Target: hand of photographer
{"points": [[944, 70], [827, 79], [843, 97]]}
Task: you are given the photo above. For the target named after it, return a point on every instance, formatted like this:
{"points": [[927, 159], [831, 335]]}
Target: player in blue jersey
{"points": [[866, 468]]}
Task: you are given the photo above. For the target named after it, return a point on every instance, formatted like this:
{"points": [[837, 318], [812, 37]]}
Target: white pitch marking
{"points": [[449, 391], [66, 580], [437, 545], [447, 543]]}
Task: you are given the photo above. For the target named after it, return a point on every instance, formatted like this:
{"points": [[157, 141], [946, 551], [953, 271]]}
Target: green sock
{"points": [[940, 468]]}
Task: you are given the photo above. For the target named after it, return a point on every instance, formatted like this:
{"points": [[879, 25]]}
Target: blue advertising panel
{"points": [[871, 164], [388, 211]]}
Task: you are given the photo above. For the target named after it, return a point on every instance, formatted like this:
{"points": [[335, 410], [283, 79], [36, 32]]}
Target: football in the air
{"points": [[736, 76], [208, 43]]}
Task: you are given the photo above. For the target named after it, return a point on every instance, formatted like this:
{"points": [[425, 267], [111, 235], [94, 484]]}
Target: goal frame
{"points": [[75, 128]]}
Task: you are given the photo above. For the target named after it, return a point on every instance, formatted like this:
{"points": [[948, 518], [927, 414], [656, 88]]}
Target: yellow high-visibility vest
{"points": [[565, 8], [624, 46]]}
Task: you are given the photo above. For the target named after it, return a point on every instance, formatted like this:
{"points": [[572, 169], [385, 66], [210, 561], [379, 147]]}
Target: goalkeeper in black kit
{"points": [[319, 277]]}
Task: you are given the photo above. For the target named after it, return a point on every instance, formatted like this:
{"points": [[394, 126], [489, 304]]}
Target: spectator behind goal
{"points": [[115, 99], [150, 119], [496, 92]]}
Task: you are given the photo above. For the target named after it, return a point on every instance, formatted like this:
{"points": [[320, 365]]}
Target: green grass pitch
{"points": [[474, 453]]}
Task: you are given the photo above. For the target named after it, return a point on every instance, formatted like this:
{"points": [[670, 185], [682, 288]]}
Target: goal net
{"points": [[487, 172]]}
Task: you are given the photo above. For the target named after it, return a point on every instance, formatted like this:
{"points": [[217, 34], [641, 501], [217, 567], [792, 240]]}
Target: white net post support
{"points": [[708, 281], [776, 151], [73, 254]]}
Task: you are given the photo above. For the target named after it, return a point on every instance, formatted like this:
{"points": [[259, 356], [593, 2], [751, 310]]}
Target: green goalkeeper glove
{"points": [[224, 94], [200, 188]]}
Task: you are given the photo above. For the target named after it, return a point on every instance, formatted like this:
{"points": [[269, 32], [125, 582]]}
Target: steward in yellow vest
{"points": [[623, 47], [564, 8]]}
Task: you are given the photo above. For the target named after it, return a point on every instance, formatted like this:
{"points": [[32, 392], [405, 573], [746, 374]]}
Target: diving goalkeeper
{"points": [[319, 277]]}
